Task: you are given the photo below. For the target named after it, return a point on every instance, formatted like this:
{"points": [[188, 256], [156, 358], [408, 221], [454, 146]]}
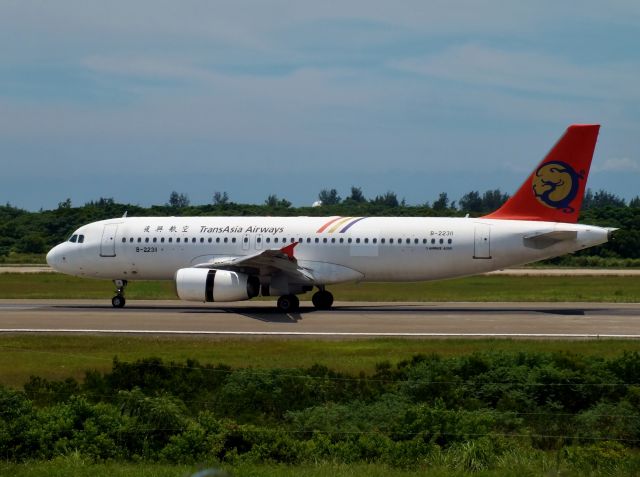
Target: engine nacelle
{"points": [[203, 284]]}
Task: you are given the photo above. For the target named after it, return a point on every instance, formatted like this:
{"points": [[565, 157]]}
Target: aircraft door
{"points": [[246, 242], [259, 242], [482, 241], [108, 244]]}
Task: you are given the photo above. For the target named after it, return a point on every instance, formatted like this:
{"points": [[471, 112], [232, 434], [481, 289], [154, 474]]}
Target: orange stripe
{"points": [[321, 229], [339, 224]]}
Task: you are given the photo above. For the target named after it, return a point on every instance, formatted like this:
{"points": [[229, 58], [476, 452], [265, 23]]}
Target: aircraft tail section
{"points": [[555, 189]]}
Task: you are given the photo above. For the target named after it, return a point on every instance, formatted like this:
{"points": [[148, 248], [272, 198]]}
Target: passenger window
{"points": [[155, 239], [357, 240], [124, 240], [349, 240], [382, 240], [449, 241], [170, 239], [246, 240], [258, 240], [341, 240], [193, 240], [433, 241], [162, 240], [139, 240], [390, 240], [375, 240], [366, 240], [210, 240], [275, 240], [201, 239], [233, 240], [415, 241], [408, 241], [324, 240], [308, 240], [146, 240], [226, 239], [333, 240], [178, 240], [317, 240], [441, 240], [268, 239], [424, 240], [131, 240]]}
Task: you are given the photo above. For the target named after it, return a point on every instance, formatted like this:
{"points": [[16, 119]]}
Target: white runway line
{"points": [[326, 333]]}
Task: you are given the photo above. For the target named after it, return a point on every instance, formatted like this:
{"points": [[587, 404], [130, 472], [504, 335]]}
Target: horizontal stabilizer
{"points": [[541, 240]]}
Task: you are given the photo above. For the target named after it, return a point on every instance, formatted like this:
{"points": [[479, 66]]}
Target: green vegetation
{"points": [[480, 288], [489, 412], [58, 357], [24, 235]]}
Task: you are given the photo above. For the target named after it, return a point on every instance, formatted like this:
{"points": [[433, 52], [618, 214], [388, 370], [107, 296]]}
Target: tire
{"points": [[322, 300], [118, 301], [288, 303]]}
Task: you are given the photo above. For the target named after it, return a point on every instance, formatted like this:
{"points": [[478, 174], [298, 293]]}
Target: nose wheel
{"points": [[119, 301]]}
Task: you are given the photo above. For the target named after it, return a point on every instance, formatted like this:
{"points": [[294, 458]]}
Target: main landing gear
{"points": [[322, 300], [118, 301]]}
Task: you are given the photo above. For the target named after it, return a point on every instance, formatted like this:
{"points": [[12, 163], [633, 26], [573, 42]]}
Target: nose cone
{"points": [[55, 258]]}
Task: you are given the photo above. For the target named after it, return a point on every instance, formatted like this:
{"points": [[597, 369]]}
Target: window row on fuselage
{"points": [[284, 241]]}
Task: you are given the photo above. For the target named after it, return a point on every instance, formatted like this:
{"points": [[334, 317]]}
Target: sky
{"points": [[133, 100]]}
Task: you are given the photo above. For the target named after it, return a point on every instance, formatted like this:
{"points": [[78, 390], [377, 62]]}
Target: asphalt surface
{"points": [[346, 320]]}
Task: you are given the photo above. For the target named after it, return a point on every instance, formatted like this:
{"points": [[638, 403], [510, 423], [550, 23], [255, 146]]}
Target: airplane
{"points": [[224, 259]]}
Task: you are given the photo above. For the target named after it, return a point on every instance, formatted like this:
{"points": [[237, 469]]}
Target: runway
{"points": [[346, 320]]}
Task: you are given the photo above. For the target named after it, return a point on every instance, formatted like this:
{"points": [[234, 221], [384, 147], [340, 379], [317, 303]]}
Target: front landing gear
{"points": [[322, 299], [118, 301], [288, 303]]}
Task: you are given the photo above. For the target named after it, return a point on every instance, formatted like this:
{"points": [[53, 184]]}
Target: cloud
{"points": [[526, 71], [621, 164]]}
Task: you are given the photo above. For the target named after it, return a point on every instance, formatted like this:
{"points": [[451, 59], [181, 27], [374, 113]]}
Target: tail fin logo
{"points": [[556, 184]]}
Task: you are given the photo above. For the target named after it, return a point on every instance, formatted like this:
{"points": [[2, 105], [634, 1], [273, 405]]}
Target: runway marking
{"points": [[326, 333]]}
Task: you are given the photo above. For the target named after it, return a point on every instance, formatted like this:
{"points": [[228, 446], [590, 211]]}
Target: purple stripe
{"points": [[350, 224]]}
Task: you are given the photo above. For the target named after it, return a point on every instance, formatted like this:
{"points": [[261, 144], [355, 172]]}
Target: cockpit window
{"points": [[80, 238], [73, 238]]}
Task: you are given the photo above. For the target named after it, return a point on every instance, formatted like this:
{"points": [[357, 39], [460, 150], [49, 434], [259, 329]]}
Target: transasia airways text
{"points": [[238, 230]]}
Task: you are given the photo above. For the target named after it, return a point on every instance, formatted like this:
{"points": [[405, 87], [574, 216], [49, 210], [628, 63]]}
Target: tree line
{"points": [[477, 409], [24, 232]]}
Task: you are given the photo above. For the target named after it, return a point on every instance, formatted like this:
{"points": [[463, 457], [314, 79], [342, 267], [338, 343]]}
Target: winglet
{"points": [[554, 190], [288, 250]]}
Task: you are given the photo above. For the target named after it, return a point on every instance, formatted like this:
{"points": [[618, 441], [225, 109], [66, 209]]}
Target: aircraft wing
{"points": [[266, 262]]}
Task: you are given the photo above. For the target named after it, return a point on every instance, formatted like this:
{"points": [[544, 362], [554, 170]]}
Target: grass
{"points": [[480, 288], [59, 357]]}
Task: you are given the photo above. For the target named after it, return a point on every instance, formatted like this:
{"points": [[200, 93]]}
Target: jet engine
{"points": [[202, 284]]}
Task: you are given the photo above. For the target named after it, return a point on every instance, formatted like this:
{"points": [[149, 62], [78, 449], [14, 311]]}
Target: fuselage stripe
{"points": [[339, 224], [351, 224], [321, 229]]}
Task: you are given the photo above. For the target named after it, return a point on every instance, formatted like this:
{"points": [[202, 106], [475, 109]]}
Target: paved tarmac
{"points": [[544, 272], [346, 320]]}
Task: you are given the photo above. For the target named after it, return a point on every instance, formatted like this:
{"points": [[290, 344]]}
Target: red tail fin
{"points": [[554, 190]]}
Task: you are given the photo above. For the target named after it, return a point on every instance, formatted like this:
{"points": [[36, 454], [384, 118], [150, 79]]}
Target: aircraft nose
{"points": [[55, 257]]}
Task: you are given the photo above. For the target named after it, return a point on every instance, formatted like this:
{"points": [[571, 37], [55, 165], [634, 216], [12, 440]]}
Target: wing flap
{"points": [[266, 262]]}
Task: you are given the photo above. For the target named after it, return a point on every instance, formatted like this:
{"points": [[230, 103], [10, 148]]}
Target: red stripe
{"points": [[321, 229]]}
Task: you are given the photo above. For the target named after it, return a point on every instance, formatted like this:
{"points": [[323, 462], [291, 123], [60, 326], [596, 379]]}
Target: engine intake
{"points": [[202, 284]]}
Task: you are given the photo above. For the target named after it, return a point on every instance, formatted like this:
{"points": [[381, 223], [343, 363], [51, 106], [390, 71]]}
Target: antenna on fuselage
{"points": [[124, 216]]}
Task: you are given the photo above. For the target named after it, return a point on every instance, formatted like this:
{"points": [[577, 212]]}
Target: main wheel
{"points": [[322, 300], [288, 303], [118, 301]]}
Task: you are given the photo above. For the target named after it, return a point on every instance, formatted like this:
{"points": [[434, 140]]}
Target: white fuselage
{"points": [[334, 249]]}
